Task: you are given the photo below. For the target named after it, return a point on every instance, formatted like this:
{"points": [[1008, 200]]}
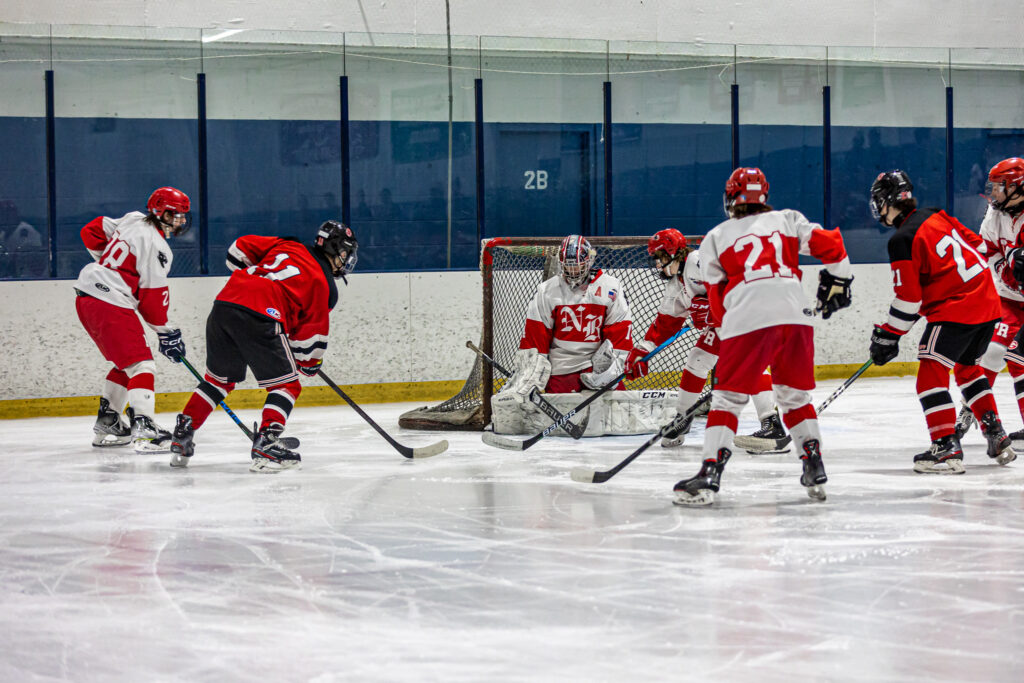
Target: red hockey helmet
{"points": [[576, 257], [175, 201], [1005, 183], [746, 185], [665, 247]]}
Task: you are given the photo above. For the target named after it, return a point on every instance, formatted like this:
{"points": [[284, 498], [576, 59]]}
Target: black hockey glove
{"points": [[171, 345], [885, 346], [311, 370], [1015, 260], [833, 293]]}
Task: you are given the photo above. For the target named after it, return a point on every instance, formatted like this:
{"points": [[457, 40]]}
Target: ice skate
{"points": [[269, 453], [147, 437], [182, 447], [965, 420], [943, 457], [814, 470], [1017, 436], [676, 434], [770, 438], [109, 430], [1000, 446], [701, 489]]}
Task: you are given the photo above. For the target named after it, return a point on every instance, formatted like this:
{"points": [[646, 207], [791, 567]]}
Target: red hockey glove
{"points": [[634, 366], [310, 368], [700, 310]]}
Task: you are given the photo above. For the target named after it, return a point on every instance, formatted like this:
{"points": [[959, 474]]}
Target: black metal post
{"points": [[346, 168], [826, 147], [478, 124], [204, 185], [949, 150], [734, 91], [608, 158], [51, 174]]}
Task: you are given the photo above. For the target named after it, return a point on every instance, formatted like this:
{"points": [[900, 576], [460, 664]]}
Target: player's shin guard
{"points": [[933, 393], [280, 401], [975, 389], [204, 400]]}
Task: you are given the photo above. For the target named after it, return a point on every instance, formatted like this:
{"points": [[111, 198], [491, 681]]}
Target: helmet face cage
{"points": [[664, 248], [1007, 173], [333, 238], [166, 200], [888, 189], [745, 186], [576, 258]]}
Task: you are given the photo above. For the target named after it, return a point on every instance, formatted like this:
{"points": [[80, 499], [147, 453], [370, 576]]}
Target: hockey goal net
{"points": [[511, 269]]}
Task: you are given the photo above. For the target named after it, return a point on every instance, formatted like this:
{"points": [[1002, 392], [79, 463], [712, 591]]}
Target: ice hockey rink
{"points": [[481, 564]]}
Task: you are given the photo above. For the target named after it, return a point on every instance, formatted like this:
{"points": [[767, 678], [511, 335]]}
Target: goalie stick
{"points": [[424, 452], [572, 429], [498, 441], [760, 444], [289, 442], [588, 476]]}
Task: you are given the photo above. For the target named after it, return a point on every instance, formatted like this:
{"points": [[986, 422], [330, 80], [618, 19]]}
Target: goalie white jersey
{"points": [[569, 324], [1001, 233]]}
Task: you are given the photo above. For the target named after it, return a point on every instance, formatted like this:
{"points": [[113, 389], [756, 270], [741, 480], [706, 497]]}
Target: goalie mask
{"points": [[576, 258], [745, 186], [338, 244], [169, 211], [665, 248], [1005, 184], [887, 191]]}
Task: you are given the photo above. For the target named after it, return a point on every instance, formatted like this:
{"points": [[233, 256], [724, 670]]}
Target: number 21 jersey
{"points": [[751, 268]]}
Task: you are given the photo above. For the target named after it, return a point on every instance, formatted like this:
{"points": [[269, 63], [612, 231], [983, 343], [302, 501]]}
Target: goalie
{"points": [[576, 338]]}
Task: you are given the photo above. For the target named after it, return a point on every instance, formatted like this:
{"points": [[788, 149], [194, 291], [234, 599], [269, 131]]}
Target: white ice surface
{"points": [[487, 565]]}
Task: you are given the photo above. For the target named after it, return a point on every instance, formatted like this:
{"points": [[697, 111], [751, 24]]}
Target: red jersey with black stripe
{"points": [[751, 268], [939, 273], [286, 281]]}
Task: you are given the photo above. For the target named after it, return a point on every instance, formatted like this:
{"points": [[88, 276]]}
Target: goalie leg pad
{"points": [[614, 413]]}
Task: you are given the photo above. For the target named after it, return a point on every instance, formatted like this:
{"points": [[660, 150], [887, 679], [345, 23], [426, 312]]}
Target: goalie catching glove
{"points": [[833, 293], [532, 372], [607, 365]]}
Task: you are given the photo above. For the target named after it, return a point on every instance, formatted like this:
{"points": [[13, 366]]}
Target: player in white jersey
{"points": [[750, 264], [1001, 231], [577, 332], [686, 297], [129, 276]]}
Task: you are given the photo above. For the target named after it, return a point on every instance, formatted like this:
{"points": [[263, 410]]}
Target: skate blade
{"points": [[816, 492], [756, 445], [110, 440], [704, 497], [150, 448], [179, 460], [1006, 457], [271, 467], [947, 467]]}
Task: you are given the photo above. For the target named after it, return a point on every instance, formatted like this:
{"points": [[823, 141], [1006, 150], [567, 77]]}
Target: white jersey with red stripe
{"points": [[751, 267], [568, 324], [131, 268], [1001, 233], [679, 291]]}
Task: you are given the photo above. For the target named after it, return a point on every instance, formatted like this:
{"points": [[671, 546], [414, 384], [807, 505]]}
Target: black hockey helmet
{"points": [[336, 241], [888, 190]]}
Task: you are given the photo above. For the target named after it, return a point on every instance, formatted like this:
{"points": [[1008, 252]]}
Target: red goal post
{"points": [[510, 269]]}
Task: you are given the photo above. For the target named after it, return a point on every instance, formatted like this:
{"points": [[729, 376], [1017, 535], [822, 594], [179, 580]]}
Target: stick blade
{"points": [[498, 441], [431, 450], [582, 475]]}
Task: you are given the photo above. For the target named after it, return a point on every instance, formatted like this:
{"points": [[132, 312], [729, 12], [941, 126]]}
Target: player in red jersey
{"points": [[939, 274], [1000, 229], [751, 266], [129, 276], [577, 331], [272, 317]]}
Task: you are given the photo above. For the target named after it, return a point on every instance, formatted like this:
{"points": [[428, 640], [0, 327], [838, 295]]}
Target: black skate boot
{"points": [[944, 457], [147, 437], [182, 447], [1000, 446], [814, 470], [701, 489], [1017, 435], [109, 430], [269, 453], [964, 421], [770, 438], [677, 431]]}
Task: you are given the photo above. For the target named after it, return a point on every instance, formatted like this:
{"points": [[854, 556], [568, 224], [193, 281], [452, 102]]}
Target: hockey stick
{"points": [[424, 452], [572, 429], [286, 441], [588, 476], [844, 386], [492, 439]]}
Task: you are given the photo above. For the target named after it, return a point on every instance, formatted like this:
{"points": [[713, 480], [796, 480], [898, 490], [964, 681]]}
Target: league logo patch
{"points": [[274, 313], [162, 258], [102, 287]]}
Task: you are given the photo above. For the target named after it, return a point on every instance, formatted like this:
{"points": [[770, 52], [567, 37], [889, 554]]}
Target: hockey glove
{"points": [[700, 310], [1015, 259], [634, 366], [171, 345], [311, 370], [884, 346], [607, 365], [833, 293], [533, 369]]}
